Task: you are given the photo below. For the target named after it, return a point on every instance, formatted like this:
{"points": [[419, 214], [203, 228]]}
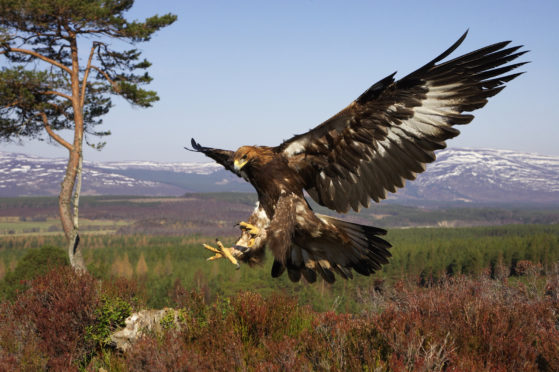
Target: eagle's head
{"points": [[252, 156]]}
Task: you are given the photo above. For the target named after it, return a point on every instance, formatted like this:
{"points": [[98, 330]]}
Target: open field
{"points": [[51, 226], [215, 214]]}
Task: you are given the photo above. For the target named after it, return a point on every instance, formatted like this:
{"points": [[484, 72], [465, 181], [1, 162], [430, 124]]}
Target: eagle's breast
{"points": [[272, 179]]}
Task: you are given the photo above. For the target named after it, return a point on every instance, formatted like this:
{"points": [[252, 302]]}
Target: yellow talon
{"points": [[252, 230], [221, 252], [209, 247], [250, 242]]}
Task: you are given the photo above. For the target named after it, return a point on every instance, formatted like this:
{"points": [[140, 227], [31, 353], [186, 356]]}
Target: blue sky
{"points": [[231, 73]]}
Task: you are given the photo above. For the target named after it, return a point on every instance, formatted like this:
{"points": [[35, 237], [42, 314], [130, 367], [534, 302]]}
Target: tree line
{"points": [[425, 255]]}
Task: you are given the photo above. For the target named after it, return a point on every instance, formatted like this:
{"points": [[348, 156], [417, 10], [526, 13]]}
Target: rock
{"points": [[145, 321]]}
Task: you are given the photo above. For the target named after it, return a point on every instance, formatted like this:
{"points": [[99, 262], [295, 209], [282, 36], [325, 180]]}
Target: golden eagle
{"points": [[384, 137]]}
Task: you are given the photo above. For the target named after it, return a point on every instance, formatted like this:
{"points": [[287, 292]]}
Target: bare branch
{"points": [[13, 104], [86, 73], [40, 56], [60, 110], [111, 81], [60, 94], [25, 40], [53, 135]]}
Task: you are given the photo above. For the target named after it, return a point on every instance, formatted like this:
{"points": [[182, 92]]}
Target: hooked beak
{"points": [[238, 164]]}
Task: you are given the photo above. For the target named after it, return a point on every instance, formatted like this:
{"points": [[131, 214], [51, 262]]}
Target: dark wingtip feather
{"points": [[277, 269], [294, 274], [309, 275], [376, 89], [439, 58], [327, 275], [452, 48], [195, 146]]}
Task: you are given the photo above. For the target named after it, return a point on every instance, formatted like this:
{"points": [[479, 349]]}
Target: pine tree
{"points": [[47, 87], [141, 266]]}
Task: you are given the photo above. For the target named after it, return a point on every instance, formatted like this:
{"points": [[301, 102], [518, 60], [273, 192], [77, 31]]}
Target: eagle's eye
{"points": [[244, 157]]}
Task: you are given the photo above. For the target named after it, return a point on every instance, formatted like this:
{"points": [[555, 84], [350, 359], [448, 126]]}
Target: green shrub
{"points": [[108, 317], [35, 263], [172, 318]]}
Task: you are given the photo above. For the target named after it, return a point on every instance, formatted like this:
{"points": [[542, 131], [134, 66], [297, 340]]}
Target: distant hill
{"points": [[458, 175], [24, 175], [487, 176]]}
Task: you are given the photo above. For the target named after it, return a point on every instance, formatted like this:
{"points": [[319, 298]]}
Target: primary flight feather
{"points": [[384, 137]]}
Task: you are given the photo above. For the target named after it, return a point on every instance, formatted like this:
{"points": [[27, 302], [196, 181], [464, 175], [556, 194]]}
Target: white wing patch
{"points": [[295, 148]]}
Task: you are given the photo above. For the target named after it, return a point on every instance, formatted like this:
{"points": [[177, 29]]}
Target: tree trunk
{"points": [[69, 221], [74, 170], [74, 250]]}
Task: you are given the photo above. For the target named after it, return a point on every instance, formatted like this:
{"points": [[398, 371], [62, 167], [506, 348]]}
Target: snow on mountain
{"points": [[178, 167], [24, 175], [487, 175], [510, 168], [457, 175]]}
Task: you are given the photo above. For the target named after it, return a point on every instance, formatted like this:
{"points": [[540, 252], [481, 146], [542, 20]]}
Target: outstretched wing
{"points": [[223, 157], [391, 131]]}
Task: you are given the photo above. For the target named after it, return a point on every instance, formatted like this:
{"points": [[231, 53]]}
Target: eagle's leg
{"points": [[252, 230], [222, 251]]}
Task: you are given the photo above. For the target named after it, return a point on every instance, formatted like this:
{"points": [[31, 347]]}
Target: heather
{"points": [[457, 323], [461, 299]]}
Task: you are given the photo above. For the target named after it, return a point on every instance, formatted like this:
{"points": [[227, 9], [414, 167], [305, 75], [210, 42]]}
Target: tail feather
{"points": [[277, 269], [309, 275], [362, 249], [369, 251]]}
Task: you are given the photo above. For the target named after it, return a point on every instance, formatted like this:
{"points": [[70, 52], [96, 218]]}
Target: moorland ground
{"points": [[482, 296]]}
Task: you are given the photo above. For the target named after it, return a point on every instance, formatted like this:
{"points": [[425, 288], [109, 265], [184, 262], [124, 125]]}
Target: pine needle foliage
{"points": [[39, 39]]}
